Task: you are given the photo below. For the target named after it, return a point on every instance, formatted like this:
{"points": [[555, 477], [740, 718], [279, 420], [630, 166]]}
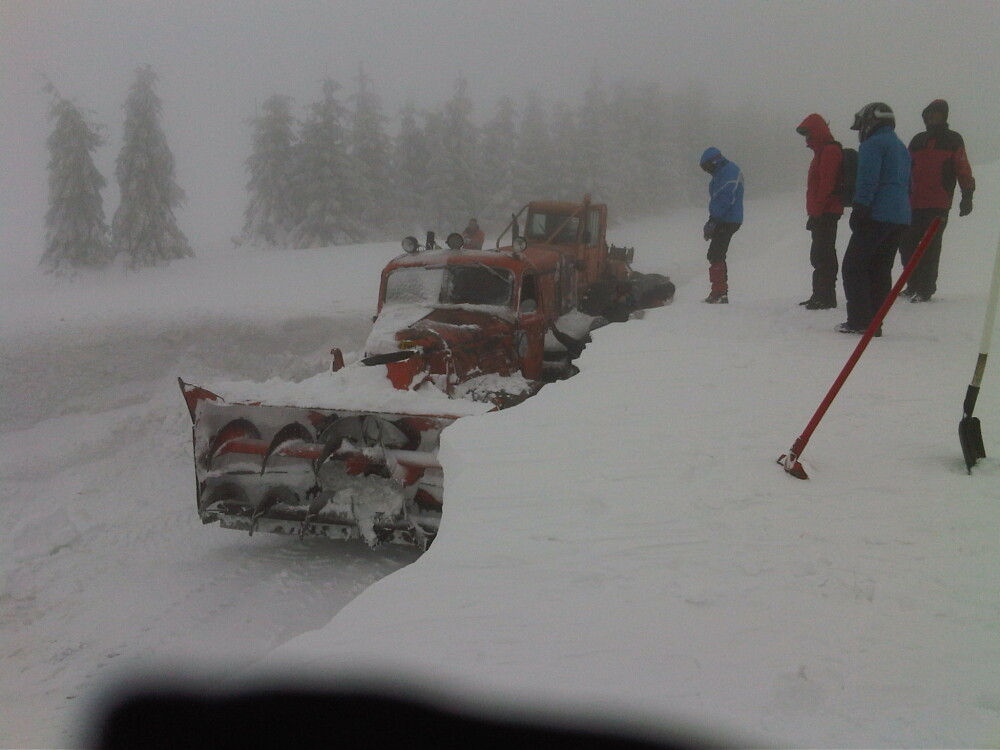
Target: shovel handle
{"points": [[991, 314]]}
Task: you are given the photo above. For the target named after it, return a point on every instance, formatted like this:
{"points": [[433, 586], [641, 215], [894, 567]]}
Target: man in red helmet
{"points": [[939, 162]]}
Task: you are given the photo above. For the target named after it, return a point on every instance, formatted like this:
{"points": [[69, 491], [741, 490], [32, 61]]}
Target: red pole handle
{"points": [[799, 445]]}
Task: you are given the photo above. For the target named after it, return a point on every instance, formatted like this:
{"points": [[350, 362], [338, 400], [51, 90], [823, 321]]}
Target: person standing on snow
{"points": [[939, 161], [824, 209], [725, 216], [880, 214], [473, 236]]}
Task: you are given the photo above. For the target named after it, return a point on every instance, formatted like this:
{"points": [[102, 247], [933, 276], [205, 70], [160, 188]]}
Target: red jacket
{"points": [[939, 161], [824, 169], [474, 239]]}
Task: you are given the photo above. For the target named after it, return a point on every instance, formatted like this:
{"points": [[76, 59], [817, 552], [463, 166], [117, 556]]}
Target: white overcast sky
{"points": [[216, 59]]}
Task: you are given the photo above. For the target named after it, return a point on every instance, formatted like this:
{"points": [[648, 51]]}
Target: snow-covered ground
{"points": [[621, 545]]}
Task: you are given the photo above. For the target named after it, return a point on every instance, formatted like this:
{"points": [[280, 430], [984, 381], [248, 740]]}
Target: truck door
{"points": [[531, 318]]}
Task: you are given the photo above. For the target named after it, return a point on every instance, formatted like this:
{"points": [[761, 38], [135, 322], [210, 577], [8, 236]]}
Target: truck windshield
{"points": [[473, 284]]}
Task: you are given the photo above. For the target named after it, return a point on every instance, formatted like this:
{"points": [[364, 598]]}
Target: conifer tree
{"points": [[410, 159], [371, 150], [144, 228], [327, 204], [595, 141], [269, 215], [76, 233], [498, 167], [568, 167], [453, 183], [534, 156]]}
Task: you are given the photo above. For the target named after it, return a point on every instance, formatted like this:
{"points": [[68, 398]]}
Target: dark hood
{"points": [[938, 105]]}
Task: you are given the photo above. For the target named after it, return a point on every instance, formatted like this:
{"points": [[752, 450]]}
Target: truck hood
{"points": [[452, 324]]}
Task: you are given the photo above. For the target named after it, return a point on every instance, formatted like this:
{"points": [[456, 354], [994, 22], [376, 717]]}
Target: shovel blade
{"points": [[792, 466], [970, 435]]}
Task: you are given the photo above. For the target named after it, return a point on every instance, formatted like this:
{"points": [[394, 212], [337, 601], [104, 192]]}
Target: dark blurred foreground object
{"points": [[302, 718]]}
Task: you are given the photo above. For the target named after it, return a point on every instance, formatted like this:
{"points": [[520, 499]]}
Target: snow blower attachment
{"points": [[457, 333], [316, 472], [790, 461]]}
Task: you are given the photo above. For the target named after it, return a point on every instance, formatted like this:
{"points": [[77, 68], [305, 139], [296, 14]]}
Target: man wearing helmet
{"points": [[880, 214], [939, 162]]}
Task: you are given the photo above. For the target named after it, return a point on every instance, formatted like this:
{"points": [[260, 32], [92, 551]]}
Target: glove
{"points": [[965, 205], [859, 214], [709, 230], [812, 223]]}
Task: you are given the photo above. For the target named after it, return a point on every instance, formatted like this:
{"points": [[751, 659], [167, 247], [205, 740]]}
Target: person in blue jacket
{"points": [[725, 216], [880, 213]]}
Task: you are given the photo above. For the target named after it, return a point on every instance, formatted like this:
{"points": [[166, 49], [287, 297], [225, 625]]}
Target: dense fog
{"points": [[647, 84]]}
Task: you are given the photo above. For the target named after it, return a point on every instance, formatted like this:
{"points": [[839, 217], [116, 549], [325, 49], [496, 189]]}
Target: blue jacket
{"points": [[725, 191], [883, 180]]}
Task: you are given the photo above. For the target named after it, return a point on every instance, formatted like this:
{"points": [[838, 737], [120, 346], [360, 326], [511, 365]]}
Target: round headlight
{"points": [[455, 241], [520, 244], [410, 244]]}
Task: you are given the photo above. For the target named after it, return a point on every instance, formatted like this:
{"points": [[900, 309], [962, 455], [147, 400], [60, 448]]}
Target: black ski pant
{"points": [[867, 269], [823, 257], [718, 248], [923, 281]]}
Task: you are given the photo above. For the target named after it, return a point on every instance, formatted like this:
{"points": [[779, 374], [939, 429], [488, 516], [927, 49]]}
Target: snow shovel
{"points": [[970, 434], [790, 460]]}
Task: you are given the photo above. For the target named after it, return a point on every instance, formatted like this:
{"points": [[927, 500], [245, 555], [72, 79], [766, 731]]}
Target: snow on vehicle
{"points": [[457, 332]]}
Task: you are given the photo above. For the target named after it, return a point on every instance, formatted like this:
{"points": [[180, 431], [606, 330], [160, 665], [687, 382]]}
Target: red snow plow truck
{"points": [[457, 332]]}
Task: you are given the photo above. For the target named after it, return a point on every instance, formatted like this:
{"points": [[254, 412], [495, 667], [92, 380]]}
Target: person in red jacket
{"points": [[473, 236], [939, 162], [824, 209]]}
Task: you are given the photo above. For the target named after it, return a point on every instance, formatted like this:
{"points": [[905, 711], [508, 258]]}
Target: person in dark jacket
{"points": [[725, 216], [939, 162], [880, 214], [824, 209], [472, 236]]}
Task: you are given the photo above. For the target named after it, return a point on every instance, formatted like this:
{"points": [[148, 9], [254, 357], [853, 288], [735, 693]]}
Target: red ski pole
{"points": [[790, 460]]}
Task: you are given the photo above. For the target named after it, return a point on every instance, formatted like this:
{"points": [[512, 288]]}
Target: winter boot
{"points": [[718, 275], [820, 304], [849, 328]]}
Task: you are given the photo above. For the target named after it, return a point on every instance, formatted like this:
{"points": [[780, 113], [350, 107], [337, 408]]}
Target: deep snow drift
{"points": [[622, 544]]}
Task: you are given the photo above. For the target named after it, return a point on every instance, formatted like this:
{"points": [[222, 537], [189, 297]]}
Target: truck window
{"points": [[557, 228], [478, 284]]}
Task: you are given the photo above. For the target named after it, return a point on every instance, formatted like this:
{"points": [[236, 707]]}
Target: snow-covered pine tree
{"points": [[328, 210], [498, 170], [625, 167], [658, 181], [144, 228], [568, 167], [534, 158], [269, 215], [410, 158], [371, 150], [76, 233], [595, 139], [453, 182]]}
